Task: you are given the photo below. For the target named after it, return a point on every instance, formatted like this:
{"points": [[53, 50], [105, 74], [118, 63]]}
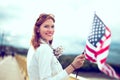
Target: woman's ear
{"points": [[38, 31]]}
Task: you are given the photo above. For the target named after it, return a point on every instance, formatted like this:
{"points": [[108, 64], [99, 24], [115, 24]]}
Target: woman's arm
{"points": [[45, 71], [44, 58], [77, 63]]}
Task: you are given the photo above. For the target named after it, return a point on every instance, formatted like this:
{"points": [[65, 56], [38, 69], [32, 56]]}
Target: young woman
{"points": [[42, 63]]}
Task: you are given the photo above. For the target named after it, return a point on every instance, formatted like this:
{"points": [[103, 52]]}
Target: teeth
{"points": [[49, 34]]}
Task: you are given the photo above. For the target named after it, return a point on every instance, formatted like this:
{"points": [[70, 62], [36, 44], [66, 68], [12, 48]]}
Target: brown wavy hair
{"points": [[35, 41]]}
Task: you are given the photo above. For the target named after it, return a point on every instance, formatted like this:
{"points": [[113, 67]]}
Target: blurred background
{"points": [[73, 21]]}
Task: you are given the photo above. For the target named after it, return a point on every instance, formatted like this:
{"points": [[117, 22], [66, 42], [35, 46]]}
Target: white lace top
{"points": [[43, 65]]}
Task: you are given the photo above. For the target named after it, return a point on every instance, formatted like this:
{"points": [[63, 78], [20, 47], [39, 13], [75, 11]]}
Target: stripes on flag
{"points": [[97, 46]]}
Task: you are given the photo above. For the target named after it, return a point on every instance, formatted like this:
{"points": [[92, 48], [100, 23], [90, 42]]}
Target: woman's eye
{"points": [[52, 26], [46, 26]]}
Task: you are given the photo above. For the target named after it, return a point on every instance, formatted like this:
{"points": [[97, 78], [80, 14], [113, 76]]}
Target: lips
{"points": [[49, 34]]}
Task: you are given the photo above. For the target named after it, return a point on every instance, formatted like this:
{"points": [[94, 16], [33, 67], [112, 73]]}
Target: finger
{"points": [[82, 57]]}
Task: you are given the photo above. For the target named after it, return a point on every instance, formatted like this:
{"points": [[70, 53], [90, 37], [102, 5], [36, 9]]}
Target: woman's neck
{"points": [[44, 41]]}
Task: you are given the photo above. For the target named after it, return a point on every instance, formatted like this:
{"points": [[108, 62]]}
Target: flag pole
{"points": [[94, 12]]}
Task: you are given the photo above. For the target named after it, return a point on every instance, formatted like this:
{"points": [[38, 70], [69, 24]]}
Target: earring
{"points": [[38, 31]]}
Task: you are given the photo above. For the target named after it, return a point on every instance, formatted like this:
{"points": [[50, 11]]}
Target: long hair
{"points": [[35, 41]]}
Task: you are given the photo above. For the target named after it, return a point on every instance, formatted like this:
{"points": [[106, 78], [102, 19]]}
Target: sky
{"points": [[73, 20]]}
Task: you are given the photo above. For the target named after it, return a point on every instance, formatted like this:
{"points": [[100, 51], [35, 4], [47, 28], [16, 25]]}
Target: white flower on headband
{"points": [[58, 51]]}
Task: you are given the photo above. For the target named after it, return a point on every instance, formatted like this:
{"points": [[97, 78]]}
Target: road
{"points": [[9, 69]]}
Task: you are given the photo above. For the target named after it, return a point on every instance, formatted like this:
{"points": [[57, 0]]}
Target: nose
{"points": [[51, 29]]}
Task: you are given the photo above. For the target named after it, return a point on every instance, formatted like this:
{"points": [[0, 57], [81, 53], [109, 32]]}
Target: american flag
{"points": [[97, 46]]}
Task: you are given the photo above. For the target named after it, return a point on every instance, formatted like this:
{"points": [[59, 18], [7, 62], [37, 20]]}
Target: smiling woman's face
{"points": [[47, 30]]}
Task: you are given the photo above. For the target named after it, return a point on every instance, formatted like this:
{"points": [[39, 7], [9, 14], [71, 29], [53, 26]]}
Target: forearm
{"points": [[77, 63], [70, 69]]}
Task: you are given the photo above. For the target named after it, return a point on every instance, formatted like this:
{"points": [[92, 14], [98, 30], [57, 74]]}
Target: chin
{"points": [[50, 39]]}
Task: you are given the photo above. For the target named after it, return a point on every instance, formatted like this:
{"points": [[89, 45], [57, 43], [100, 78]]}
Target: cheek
{"points": [[53, 30], [41, 30], [41, 33]]}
